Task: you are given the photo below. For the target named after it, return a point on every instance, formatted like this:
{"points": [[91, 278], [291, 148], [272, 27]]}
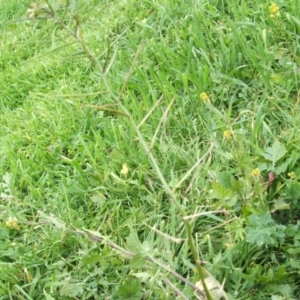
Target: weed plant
{"points": [[149, 150]]}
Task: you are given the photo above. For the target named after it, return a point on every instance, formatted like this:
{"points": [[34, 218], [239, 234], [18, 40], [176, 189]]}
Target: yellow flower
{"points": [[255, 172], [227, 134], [12, 223], [204, 97], [274, 10], [124, 170], [292, 175]]}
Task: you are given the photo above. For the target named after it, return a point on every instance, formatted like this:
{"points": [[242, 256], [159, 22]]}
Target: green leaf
{"points": [[295, 264], [130, 289], [266, 277], [275, 152], [282, 167], [293, 19], [279, 54], [218, 191], [54, 220], [281, 273], [144, 276], [280, 205], [71, 290], [285, 289], [293, 251], [263, 230], [260, 237], [133, 243], [277, 78], [92, 259], [293, 191], [231, 202], [224, 178], [138, 261]]}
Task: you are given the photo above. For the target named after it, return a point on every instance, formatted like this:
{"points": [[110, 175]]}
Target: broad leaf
{"points": [[275, 152], [133, 243], [218, 191]]}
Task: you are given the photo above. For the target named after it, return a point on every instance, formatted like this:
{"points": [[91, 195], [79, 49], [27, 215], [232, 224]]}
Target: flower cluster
{"points": [[204, 97], [12, 223], [255, 173], [292, 175], [274, 10], [228, 134]]}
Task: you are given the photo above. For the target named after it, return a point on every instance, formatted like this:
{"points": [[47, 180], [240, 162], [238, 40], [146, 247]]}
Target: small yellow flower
{"points": [[228, 134], [255, 172], [12, 223], [274, 10], [125, 169], [292, 175], [204, 97]]}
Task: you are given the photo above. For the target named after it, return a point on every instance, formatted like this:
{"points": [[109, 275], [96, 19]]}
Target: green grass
{"points": [[75, 224]]}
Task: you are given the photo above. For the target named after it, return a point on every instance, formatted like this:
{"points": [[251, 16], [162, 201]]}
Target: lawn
{"points": [[150, 149]]}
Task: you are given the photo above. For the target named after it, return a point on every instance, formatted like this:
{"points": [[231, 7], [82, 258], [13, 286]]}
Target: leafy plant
{"points": [[149, 150], [263, 231]]}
